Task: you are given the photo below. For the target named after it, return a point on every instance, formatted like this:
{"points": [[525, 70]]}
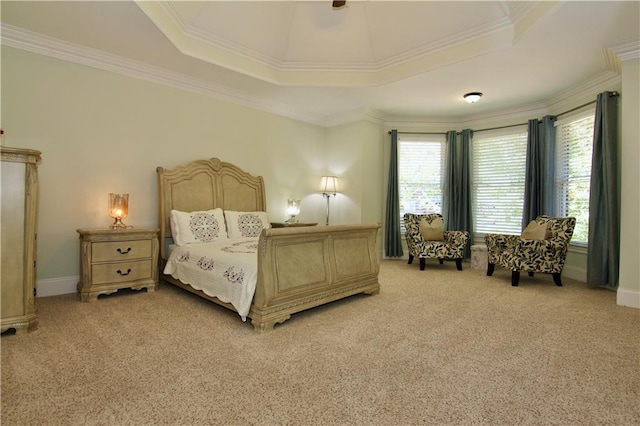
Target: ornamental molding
{"points": [[615, 54]]}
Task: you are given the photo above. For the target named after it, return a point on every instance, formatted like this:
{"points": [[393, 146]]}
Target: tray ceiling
{"points": [[408, 61]]}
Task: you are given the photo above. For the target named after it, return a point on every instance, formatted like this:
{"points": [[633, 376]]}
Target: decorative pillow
{"points": [[245, 224], [432, 231], [535, 231], [198, 226]]}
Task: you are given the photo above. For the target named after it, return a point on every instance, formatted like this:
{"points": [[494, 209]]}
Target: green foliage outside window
{"points": [[420, 176], [574, 146]]}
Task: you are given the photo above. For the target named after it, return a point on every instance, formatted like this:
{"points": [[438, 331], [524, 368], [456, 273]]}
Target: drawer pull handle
{"points": [[124, 273], [124, 252]]}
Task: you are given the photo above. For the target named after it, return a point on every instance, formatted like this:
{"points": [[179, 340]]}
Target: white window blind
{"points": [[574, 146], [499, 161], [420, 173]]}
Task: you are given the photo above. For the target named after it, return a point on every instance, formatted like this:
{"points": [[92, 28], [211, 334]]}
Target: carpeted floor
{"points": [[435, 347]]}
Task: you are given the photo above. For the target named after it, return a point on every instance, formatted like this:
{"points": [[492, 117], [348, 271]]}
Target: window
{"points": [[499, 162], [574, 146], [420, 173]]}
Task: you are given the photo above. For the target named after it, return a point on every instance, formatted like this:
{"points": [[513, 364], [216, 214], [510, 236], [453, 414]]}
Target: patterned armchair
{"points": [[450, 246], [547, 254]]}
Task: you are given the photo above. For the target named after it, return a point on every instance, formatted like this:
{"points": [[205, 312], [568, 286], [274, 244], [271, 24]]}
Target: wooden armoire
{"points": [[19, 217]]}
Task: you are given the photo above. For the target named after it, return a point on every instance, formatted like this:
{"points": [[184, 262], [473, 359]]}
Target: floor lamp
{"points": [[329, 188]]}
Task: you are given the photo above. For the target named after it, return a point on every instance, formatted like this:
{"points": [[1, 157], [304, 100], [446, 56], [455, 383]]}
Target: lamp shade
{"points": [[293, 207], [118, 209], [118, 205], [328, 185]]}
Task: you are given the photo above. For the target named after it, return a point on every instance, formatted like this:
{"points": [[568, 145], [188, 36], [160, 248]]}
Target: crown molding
{"points": [[506, 116], [355, 115], [525, 14], [559, 103], [584, 92], [477, 32], [627, 50], [426, 124], [615, 54], [484, 38], [48, 46]]}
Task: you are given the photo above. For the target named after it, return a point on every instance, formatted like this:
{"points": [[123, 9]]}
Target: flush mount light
{"points": [[472, 97]]}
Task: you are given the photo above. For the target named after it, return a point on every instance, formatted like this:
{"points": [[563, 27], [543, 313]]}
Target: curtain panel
{"points": [[393, 237], [456, 207], [603, 253], [540, 169]]}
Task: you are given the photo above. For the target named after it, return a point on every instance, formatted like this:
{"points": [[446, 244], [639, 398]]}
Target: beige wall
{"points": [[629, 284], [355, 155], [101, 132]]}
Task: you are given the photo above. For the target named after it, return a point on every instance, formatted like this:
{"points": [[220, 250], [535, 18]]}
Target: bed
{"points": [[296, 268]]}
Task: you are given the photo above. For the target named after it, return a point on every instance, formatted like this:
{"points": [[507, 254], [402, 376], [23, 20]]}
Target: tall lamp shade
{"points": [[329, 188]]}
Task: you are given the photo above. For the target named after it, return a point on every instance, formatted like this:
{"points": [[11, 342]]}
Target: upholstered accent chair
{"points": [[542, 247], [426, 239]]}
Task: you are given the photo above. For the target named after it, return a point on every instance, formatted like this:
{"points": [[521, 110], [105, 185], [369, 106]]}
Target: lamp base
{"points": [[117, 224], [328, 197]]}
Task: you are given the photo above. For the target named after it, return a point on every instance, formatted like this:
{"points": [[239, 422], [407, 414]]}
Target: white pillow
{"points": [[198, 226], [245, 224]]}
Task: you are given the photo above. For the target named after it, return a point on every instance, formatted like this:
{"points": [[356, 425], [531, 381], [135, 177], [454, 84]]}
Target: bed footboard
{"points": [[303, 267]]}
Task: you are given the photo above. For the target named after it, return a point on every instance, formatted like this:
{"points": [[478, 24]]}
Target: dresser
{"points": [[18, 235], [113, 259]]}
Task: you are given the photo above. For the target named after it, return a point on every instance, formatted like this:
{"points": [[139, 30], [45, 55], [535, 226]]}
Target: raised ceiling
{"points": [[309, 43], [402, 60]]}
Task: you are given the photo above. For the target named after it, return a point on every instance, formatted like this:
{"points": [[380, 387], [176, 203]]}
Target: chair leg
{"points": [[515, 278], [423, 263], [441, 260], [556, 279], [410, 259], [459, 264], [490, 268]]}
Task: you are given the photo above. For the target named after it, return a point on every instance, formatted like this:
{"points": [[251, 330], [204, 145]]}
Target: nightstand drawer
{"points": [[121, 272], [121, 250]]}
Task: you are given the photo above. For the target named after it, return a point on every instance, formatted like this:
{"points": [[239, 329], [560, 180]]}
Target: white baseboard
{"points": [[68, 285], [628, 298], [56, 286]]}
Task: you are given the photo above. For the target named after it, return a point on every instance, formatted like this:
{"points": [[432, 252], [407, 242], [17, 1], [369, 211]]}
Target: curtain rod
{"points": [[419, 133], [614, 93], [504, 127]]}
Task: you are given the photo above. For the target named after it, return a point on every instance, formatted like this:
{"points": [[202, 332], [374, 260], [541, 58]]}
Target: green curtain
{"points": [[540, 169], [458, 180], [603, 253], [393, 238]]}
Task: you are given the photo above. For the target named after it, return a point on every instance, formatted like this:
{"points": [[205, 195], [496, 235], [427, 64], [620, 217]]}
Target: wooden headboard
{"points": [[205, 185]]}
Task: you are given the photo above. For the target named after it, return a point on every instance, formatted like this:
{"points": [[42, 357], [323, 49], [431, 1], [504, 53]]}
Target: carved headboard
{"points": [[205, 185]]}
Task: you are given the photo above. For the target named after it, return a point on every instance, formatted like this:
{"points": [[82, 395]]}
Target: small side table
{"points": [[289, 224], [111, 259], [479, 256]]}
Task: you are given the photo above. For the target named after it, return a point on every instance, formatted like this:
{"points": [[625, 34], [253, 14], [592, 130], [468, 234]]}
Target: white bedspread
{"points": [[226, 269]]}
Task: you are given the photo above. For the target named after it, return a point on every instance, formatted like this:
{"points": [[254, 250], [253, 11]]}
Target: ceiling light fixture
{"points": [[339, 4], [472, 97]]}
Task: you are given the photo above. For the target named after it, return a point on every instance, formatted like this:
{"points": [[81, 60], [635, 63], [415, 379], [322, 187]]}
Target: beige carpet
{"points": [[435, 347]]}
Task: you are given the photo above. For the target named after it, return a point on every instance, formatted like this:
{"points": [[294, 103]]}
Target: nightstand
{"points": [[111, 259], [288, 225]]}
